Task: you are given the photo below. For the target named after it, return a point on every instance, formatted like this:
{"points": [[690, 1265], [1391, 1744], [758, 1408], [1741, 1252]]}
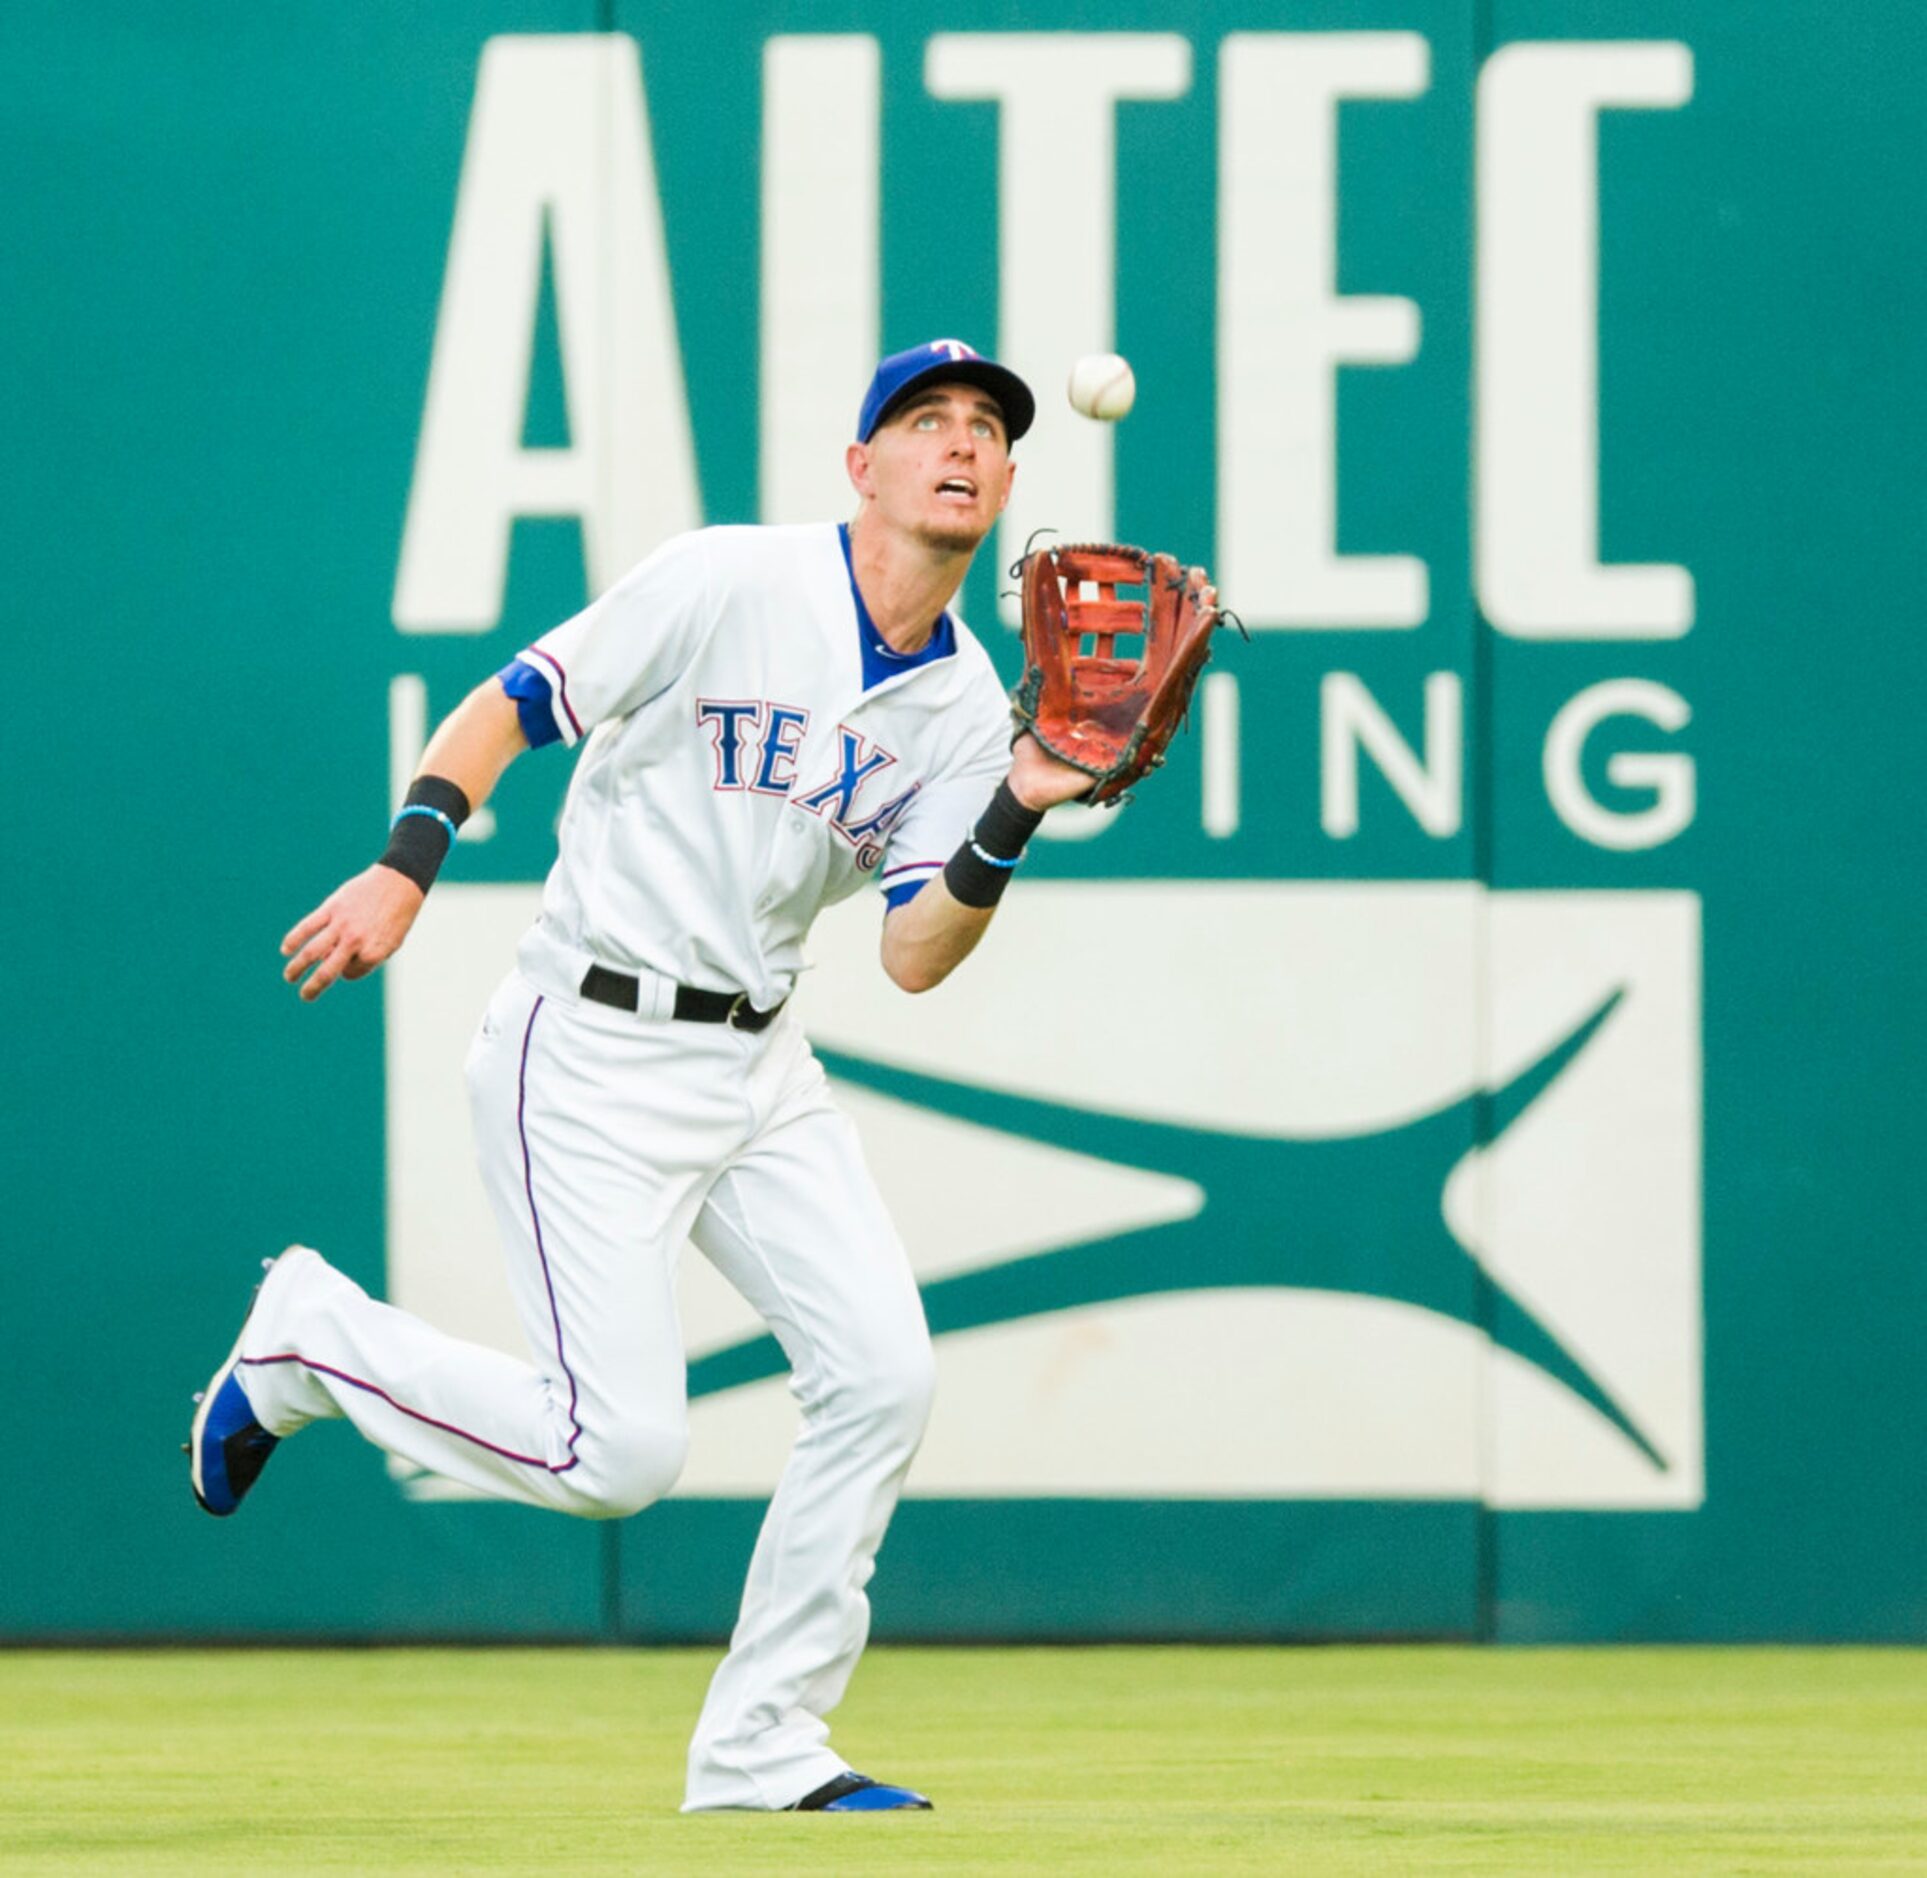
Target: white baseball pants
{"points": [[605, 1141]]}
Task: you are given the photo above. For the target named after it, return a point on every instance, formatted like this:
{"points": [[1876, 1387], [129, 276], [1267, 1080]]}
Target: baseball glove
{"points": [[1109, 716]]}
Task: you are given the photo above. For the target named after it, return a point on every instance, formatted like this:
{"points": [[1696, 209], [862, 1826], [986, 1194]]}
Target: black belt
{"points": [[624, 993]]}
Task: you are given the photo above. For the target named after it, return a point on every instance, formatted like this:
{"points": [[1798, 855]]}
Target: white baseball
{"points": [[1103, 386]]}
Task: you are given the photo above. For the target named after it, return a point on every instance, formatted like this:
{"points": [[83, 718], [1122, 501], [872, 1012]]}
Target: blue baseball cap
{"points": [[944, 361]]}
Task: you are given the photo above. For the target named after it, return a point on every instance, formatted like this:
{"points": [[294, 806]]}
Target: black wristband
{"points": [[977, 874], [424, 829], [1004, 827]]}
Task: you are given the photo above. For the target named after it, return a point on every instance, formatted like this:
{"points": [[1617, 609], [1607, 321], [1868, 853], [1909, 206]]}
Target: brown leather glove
{"points": [[1107, 715]]}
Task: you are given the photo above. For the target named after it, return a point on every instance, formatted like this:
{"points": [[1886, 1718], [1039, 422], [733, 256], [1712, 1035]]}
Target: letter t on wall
{"points": [[1057, 233]]}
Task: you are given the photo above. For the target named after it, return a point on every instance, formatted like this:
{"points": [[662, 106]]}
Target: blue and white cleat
{"points": [[858, 1793], [227, 1448]]}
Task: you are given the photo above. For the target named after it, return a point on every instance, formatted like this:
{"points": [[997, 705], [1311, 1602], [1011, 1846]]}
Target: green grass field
{"points": [[1104, 1760]]}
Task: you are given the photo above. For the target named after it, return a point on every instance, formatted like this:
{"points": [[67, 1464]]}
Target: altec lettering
{"points": [[756, 743]]}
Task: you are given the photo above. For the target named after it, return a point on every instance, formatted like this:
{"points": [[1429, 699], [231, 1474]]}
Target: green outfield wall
{"points": [[1444, 1162]]}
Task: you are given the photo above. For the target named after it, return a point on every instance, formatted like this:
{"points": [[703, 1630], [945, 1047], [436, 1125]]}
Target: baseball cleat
{"points": [[226, 1447], [858, 1793]]}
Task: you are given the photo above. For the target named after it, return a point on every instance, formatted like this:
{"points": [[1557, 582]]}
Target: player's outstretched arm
{"points": [[928, 937], [367, 917]]}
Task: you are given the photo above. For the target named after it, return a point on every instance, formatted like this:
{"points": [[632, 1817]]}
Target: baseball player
{"points": [[769, 720]]}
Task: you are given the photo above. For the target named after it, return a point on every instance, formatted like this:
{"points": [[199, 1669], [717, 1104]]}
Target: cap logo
{"points": [[953, 349]]}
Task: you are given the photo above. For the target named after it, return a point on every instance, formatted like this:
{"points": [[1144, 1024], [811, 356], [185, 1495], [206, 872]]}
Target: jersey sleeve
{"points": [[944, 811], [619, 651]]}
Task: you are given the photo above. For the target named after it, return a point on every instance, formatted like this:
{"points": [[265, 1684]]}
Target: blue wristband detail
{"points": [[993, 860], [421, 808], [978, 873]]}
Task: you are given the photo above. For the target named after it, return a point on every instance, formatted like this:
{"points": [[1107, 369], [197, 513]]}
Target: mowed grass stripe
{"points": [[1193, 1760]]}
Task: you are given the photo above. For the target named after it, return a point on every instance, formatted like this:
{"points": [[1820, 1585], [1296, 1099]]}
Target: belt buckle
{"points": [[737, 1004]]}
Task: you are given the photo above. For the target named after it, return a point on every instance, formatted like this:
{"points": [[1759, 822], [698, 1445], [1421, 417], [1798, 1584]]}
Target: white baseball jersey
{"points": [[754, 752]]}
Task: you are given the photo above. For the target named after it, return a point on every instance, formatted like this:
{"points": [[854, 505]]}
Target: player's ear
{"points": [[856, 462], [1010, 476]]}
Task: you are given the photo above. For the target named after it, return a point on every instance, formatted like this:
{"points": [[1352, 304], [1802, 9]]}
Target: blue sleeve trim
{"points": [[534, 701], [898, 896]]}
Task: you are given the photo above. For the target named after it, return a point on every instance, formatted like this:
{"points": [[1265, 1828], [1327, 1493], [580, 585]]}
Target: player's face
{"points": [[940, 469]]}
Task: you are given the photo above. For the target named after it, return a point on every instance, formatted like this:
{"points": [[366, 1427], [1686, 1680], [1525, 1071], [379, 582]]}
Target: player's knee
{"points": [[893, 1397], [630, 1465]]}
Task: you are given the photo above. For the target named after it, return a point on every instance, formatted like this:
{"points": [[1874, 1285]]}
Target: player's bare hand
{"points": [[359, 925], [1038, 780]]}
